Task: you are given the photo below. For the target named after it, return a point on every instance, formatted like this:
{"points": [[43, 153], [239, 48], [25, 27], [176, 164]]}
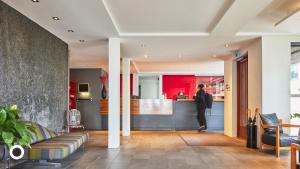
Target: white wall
{"points": [[276, 52], [135, 84], [149, 87]]}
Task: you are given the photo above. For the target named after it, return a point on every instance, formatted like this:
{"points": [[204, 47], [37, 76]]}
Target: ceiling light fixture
{"points": [[145, 56], [226, 45], [179, 56], [55, 18], [81, 41], [35, 0], [70, 30]]}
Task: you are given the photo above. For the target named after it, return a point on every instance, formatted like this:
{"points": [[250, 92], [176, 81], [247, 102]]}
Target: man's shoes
{"points": [[201, 128]]}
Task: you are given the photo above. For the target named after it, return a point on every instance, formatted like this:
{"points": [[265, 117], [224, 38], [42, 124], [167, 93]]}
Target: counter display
{"points": [[160, 114]]}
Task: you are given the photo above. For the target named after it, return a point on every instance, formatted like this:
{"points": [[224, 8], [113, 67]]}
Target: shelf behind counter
{"points": [[166, 114]]}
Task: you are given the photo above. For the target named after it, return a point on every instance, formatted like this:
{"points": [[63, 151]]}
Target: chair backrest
{"points": [[272, 120]]}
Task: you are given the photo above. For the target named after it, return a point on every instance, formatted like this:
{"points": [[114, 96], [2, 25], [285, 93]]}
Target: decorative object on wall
{"points": [[103, 92], [72, 95], [227, 87]]}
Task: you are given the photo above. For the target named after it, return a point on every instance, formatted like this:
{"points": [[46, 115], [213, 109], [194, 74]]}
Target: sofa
{"points": [[49, 145]]}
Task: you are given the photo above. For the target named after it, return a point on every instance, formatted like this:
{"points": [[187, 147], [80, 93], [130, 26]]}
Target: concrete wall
{"points": [[33, 69], [90, 110]]}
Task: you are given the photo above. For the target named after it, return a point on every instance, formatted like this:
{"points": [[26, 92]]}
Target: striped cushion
{"points": [[41, 133], [56, 148]]}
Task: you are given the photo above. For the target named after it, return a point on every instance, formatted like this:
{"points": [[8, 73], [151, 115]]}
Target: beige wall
{"points": [[254, 86], [230, 98], [268, 78]]}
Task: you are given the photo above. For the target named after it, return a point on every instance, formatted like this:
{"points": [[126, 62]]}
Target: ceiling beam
{"points": [[238, 14]]}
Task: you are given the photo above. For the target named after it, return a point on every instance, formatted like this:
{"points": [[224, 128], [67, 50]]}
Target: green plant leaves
{"points": [[12, 129], [8, 138], [2, 116]]}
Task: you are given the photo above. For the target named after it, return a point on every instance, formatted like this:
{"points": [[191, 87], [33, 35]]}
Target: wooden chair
{"points": [[272, 134], [294, 161]]}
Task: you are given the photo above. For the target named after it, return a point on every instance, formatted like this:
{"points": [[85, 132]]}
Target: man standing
{"points": [[201, 106]]}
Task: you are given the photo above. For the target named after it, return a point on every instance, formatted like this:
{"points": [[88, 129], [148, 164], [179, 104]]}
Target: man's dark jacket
{"points": [[200, 99]]}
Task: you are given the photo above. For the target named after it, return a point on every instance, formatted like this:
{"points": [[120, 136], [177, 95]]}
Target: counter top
{"points": [[192, 100]]}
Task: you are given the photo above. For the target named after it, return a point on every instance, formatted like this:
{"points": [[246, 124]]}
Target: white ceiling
{"points": [[196, 30], [140, 16]]}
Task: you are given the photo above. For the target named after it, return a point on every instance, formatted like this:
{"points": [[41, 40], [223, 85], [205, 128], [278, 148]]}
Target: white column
{"points": [[135, 84], [114, 93], [126, 97]]}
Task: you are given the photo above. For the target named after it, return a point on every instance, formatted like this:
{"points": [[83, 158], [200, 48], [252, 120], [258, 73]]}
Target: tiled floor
{"points": [[166, 150]]}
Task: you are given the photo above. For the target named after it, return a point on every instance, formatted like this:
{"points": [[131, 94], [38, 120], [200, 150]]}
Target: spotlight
{"points": [[55, 18]]}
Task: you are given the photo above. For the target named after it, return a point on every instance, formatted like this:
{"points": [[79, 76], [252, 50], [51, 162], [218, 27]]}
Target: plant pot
{"points": [[4, 152], [103, 93]]}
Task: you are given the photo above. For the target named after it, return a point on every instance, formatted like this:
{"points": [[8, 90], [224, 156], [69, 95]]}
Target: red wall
{"points": [[131, 82], [173, 84]]}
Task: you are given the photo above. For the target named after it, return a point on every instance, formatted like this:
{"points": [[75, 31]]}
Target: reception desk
{"points": [[165, 114]]}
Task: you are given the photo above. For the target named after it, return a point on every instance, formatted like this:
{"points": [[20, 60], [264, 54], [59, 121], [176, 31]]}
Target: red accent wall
{"points": [[131, 84], [173, 84]]}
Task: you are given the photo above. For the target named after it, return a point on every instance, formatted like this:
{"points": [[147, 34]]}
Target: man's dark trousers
{"points": [[201, 116]]}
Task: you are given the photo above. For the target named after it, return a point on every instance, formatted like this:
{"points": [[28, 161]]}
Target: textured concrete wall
{"points": [[33, 69], [90, 110]]}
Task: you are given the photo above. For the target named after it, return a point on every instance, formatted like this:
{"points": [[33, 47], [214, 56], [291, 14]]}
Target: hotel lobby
{"points": [[137, 84]]}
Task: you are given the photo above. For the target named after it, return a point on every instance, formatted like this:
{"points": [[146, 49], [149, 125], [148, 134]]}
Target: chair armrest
{"points": [[295, 146], [269, 126], [290, 125], [294, 149]]}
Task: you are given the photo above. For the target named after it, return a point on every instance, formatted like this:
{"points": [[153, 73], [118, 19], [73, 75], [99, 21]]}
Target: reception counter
{"points": [[165, 114]]}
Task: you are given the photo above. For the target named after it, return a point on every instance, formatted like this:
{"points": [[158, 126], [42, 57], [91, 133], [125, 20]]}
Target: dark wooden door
{"points": [[242, 99]]}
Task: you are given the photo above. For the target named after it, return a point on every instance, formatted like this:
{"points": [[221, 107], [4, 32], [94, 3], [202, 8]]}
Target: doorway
{"points": [[242, 96]]}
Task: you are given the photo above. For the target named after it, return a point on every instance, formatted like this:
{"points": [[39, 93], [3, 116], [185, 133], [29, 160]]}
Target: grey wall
{"points": [[90, 110], [33, 69]]}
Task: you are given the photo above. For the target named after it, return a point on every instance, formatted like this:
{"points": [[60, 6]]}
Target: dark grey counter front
{"points": [[184, 117]]}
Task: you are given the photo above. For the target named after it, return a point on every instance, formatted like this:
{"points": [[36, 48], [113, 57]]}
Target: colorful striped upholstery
{"points": [[41, 133], [56, 148]]}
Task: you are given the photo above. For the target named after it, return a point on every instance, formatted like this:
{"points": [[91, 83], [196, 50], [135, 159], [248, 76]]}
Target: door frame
{"points": [[242, 58]]}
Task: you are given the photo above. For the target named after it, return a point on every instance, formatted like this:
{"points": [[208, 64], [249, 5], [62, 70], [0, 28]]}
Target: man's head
{"points": [[200, 86]]}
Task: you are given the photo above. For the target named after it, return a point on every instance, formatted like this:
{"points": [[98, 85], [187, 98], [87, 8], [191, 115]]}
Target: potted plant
{"points": [[12, 129]]}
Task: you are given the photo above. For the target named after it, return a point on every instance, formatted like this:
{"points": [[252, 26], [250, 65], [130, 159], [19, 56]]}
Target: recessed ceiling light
{"points": [[35, 0], [70, 30], [145, 56], [55, 18], [81, 40], [226, 45]]}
